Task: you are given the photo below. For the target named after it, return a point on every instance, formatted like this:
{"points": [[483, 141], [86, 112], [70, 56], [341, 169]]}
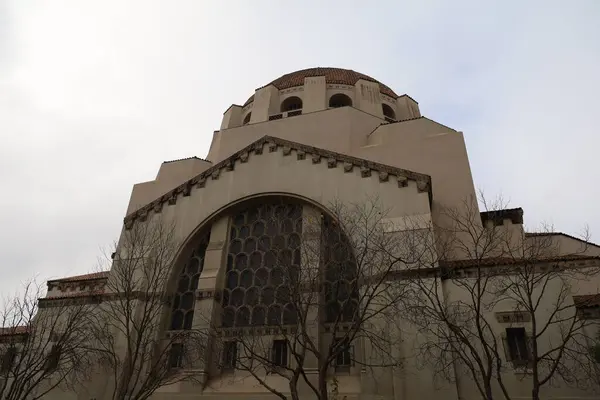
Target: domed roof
{"points": [[332, 76]]}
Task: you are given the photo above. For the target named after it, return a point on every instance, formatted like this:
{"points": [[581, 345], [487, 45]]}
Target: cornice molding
{"points": [[333, 160]]}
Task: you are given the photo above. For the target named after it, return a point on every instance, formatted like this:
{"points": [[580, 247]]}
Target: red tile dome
{"points": [[332, 76]]}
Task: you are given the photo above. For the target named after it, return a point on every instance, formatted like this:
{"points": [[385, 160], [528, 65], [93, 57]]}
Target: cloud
{"points": [[94, 96]]}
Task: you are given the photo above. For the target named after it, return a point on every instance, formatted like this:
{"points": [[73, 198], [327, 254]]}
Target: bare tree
{"points": [[505, 305], [339, 311], [131, 336], [43, 344]]}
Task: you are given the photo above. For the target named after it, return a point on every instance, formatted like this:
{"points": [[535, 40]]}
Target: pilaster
{"points": [[314, 95], [232, 118], [266, 102], [367, 97]]}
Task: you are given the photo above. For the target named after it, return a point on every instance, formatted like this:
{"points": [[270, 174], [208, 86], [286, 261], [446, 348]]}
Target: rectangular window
{"points": [[517, 346], [53, 358], [229, 355], [343, 358], [279, 353], [176, 355], [8, 359]]}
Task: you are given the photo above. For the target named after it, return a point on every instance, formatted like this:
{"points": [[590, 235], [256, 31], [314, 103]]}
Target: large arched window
{"points": [[263, 265], [340, 279], [388, 112], [291, 104], [264, 281], [339, 100], [184, 299]]}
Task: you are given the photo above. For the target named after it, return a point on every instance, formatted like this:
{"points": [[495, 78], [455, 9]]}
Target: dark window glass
{"points": [[182, 311], [518, 346], [229, 355], [262, 241], [8, 359], [176, 355], [279, 353], [53, 358], [343, 356]]}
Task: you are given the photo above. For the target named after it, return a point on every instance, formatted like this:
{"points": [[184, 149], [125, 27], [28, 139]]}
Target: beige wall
{"points": [[170, 175], [420, 145]]}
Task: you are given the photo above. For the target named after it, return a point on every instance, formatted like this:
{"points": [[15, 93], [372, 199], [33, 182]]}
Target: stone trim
{"points": [[498, 216], [334, 160]]}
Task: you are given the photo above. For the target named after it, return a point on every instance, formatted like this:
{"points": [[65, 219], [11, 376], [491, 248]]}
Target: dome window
{"points": [[291, 104], [339, 100], [247, 118], [388, 113]]}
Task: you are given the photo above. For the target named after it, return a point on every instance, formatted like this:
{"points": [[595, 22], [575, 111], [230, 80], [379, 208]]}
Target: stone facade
{"points": [[314, 152]]}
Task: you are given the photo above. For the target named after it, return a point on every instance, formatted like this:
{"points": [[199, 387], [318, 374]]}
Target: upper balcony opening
{"points": [[291, 104], [339, 100], [388, 113], [247, 118]]}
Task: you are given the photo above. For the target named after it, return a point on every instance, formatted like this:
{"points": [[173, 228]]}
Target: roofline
{"points": [[405, 95], [187, 158], [199, 181], [233, 105], [532, 234], [80, 278], [500, 261]]}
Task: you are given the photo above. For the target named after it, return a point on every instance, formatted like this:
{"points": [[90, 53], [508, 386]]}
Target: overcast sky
{"points": [[95, 95]]}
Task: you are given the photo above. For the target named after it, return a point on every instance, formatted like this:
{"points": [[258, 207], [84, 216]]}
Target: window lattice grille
{"points": [[185, 294], [263, 260]]}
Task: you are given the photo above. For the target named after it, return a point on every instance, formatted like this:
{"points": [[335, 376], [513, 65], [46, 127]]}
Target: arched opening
{"points": [[291, 104], [247, 118], [339, 100], [388, 112], [184, 296], [264, 276]]}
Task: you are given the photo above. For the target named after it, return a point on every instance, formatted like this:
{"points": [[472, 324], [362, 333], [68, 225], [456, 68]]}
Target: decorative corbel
{"points": [[365, 171], [129, 223], [301, 155], [173, 199], [331, 162], [348, 167], [383, 176], [258, 148], [187, 189], [230, 164], [402, 181], [422, 186], [201, 182], [215, 174], [316, 158], [272, 147], [143, 215], [158, 206], [244, 157], [287, 150]]}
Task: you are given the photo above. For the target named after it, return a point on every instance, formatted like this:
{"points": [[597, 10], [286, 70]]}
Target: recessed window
{"points": [[176, 355], [388, 112], [339, 100], [343, 358], [184, 298], [517, 346], [291, 104], [229, 355], [53, 358], [8, 359], [279, 353], [247, 118]]}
